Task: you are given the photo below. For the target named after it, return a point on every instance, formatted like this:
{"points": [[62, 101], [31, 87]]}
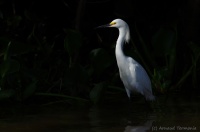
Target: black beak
{"points": [[103, 26]]}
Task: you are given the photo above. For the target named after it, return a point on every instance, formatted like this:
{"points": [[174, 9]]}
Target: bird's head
{"points": [[118, 23], [121, 25]]}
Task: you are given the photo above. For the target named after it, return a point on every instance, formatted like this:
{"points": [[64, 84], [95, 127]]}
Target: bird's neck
{"points": [[119, 47]]}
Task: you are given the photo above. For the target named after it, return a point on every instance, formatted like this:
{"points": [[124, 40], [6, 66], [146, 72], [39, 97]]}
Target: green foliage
{"points": [[43, 55], [164, 40], [100, 60], [29, 90], [164, 60], [97, 92], [73, 41], [5, 94], [164, 43]]}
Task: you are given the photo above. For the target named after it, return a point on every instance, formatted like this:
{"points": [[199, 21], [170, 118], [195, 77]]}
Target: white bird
{"points": [[132, 74]]}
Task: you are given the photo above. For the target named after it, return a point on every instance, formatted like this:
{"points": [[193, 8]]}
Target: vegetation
{"points": [[51, 50]]}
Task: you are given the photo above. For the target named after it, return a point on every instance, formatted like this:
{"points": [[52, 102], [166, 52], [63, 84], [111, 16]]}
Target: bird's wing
{"points": [[138, 79], [139, 74]]}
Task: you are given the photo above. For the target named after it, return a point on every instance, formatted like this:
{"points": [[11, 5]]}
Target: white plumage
{"points": [[132, 74]]}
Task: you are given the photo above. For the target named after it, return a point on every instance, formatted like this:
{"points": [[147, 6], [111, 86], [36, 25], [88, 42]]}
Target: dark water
{"points": [[172, 114]]}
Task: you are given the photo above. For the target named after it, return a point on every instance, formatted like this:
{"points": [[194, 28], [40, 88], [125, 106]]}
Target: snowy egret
{"points": [[132, 74]]}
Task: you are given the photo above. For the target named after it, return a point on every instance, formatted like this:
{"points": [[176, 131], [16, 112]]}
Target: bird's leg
{"points": [[128, 93]]}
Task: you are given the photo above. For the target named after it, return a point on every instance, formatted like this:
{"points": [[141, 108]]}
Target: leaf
{"points": [[5, 94], [73, 41], [13, 47], [30, 89], [14, 66], [76, 74], [4, 46], [9, 66], [30, 16], [17, 48], [97, 92], [164, 41], [4, 67], [14, 21], [195, 49], [1, 14], [62, 96], [100, 60]]}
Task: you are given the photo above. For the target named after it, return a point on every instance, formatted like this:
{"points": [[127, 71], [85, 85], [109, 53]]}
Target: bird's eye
{"points": [[112, 23]]}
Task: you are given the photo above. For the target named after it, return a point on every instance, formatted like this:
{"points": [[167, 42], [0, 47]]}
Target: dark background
{"points": [[50, 51]]}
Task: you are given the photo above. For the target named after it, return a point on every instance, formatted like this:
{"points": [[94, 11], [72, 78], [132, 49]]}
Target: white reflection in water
{"points": [[144, 128]]}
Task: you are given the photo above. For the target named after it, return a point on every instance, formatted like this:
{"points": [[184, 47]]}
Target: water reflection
{"points": [[143, 128], [110, 117], [120, 118]]}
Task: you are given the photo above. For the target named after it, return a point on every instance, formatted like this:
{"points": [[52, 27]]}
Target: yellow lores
{"points": [[112, 23]]}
